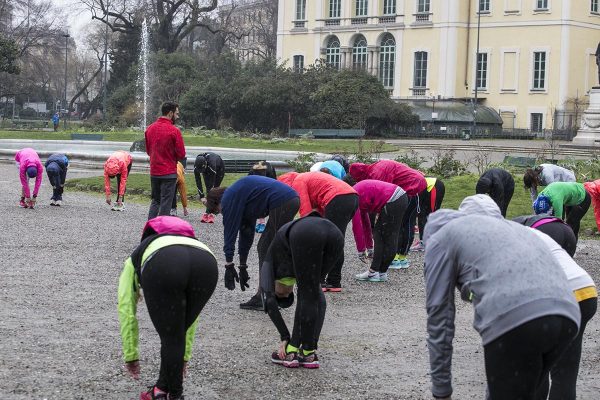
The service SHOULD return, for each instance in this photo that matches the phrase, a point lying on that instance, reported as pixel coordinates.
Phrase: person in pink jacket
(412, 181)
(593, 188)
(30, 166)
(118, 165)
(387, 204)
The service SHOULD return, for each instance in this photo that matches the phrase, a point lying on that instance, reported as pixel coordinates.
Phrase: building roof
(454, 111)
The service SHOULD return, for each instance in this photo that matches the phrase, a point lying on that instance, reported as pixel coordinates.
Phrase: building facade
(535, 66)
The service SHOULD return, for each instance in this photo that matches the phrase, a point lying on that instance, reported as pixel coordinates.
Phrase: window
(387, 59)
(537, 122)
(361, 8)
(420, 75)
(300, 10)
(539, 70)
(359, 54)
(332, 53)
(389, 7)
(335, 8)
(423, 6)
(541, 4)
(484, 6)
(482, 71)
(594, 6)
(298, 64)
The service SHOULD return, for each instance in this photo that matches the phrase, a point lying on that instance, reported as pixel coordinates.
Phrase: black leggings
(407, 233)
(57, 177)
(562, 234)
(340, 211)
(574, 214)
(517, 362)
(425, 206)
(386, 231)
(314, 254)
(119, 182)
(178, 281)
(564, 372)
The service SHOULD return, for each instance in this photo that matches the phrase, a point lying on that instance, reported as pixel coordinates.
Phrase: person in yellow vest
(430, 200)
(182, 189)
(178, 274)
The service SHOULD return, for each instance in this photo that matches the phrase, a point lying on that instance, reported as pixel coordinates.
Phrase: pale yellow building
(536, 60)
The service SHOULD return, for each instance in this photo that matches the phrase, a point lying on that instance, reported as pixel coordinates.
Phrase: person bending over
(30, 166)
(544, 175)
(554, 227)
(301, 253)
(430, 200)
(212, 168)
(178, 274)
(249, 198)
(466, 249)
(499, 184)
(118, 165)
(262, 168)
(182, 189)
(56, 169)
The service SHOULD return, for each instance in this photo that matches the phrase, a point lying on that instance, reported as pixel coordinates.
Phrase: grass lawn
(457, 189)
(221, 140)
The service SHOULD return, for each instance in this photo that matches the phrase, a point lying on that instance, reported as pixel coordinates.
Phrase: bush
(445, 165)
(303, 162)
(412, 159)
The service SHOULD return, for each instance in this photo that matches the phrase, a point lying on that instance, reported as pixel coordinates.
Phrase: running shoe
(331, 288)
(260, 228)
(204, 218)
(399, 264)
(289, 361)
(255, 303)
(210, 219)
(22, 204)
(370, 253)
(368, 275)
(310, 361)
(173, 212)
(417, 246)
(52, 202)
(58, 203)
(117, 207)
(154, 394)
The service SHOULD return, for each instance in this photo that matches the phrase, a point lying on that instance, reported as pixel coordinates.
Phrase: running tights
(386, 231)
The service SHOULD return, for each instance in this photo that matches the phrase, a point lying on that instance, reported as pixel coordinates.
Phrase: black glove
(231, 276)
(244, 278)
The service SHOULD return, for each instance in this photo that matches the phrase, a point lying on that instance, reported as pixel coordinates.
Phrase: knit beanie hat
(31, 172)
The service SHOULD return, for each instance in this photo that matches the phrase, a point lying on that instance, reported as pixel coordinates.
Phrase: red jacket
(164, 145)
(316, 189)
(116, 164)
(412, 181)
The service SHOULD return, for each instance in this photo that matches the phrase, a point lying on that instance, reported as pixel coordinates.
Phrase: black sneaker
(255, 303)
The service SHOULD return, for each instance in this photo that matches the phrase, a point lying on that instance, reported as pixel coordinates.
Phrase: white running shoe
(173, 212)
(370, 276)
(52, 202)
(383, 277)
(58, 203)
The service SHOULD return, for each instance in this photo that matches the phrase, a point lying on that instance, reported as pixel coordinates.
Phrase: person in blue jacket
(333, 167)
(56, 169)
(241, 204)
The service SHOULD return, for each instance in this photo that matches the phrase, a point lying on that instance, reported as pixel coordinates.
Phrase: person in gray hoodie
(544, 175)
(524, 309)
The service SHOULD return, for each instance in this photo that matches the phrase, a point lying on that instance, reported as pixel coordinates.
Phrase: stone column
(589, 133)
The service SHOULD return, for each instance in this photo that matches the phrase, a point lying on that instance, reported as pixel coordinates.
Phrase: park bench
(87, 136)
(329, 133)
(521, 162)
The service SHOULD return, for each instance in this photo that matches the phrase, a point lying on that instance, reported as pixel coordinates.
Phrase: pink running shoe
(22, 204)
(210, 219)
(204, 218)
(153, 394)
(310, 361)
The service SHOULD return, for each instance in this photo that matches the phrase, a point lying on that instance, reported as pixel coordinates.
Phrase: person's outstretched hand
(133, 369)
(281, 351)
(231, 276)
(244, 278)
(185, 212)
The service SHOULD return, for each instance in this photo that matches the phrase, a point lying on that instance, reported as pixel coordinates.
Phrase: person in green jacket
(178, 275)
(569, 201)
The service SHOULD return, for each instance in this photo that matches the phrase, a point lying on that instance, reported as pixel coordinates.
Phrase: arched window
(332, 53)
(387, 60)
(359, 54)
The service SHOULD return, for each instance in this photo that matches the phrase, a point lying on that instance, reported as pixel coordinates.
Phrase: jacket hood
(165, 224)
(480, 204)
(111, 166)
(288, 178)
(359, 171)
(484, 184)
(316, 166)
(438, 220)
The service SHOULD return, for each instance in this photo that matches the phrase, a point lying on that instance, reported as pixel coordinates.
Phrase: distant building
(535, 65)
(39, 107)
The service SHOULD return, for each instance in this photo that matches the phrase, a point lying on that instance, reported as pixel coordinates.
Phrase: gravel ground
(59, 336)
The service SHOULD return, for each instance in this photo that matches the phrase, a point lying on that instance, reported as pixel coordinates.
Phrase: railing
(332, 22)
(359, 21)
(387, 19)
(422, 17)
(299, 24)
(418, 91)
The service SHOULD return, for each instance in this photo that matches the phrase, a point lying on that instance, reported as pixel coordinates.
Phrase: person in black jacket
(212, 168)
(499, 184)
(56, 169)
(302, 253)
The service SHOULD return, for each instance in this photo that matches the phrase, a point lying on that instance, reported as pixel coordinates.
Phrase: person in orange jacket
(331, 197)
(593, 188)
(118, 165)
(182, 189)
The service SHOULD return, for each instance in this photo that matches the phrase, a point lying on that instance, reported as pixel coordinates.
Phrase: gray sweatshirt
(552, 173)
(503, 268)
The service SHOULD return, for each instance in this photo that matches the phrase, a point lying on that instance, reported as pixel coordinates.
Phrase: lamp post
(476, 68)
(66, 36)
(105, 82)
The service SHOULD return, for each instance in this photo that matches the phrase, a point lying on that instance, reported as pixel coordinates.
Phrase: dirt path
(59, 335)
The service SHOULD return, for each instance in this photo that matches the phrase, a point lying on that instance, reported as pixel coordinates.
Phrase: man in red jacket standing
(164, 145)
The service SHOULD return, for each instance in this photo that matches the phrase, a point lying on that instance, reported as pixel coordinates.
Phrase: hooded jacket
(552, 173)
(210, 164)
(593, 188)
(563, 194)
(164, 145)
(316, 189)
(26, 158)
(412, 181)
(334, 167)
(494, 182)
(117, 164)
(59, 159)
(502, 267)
